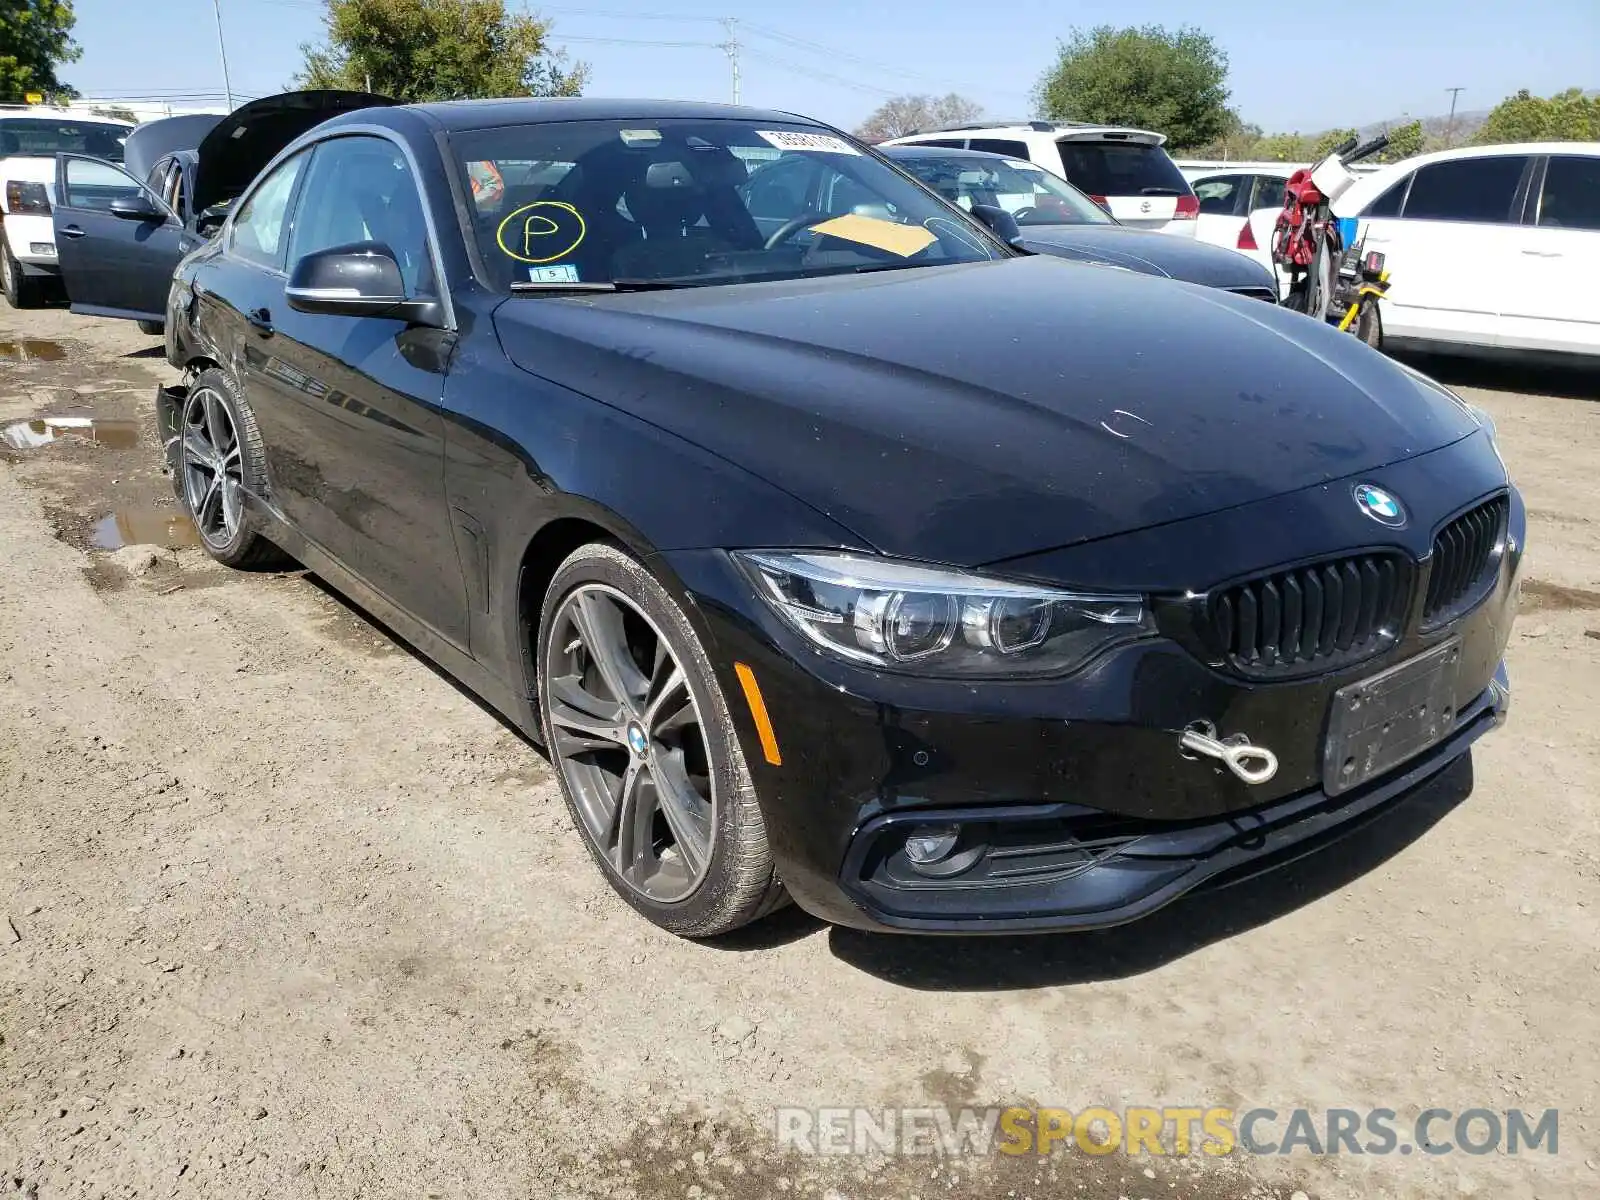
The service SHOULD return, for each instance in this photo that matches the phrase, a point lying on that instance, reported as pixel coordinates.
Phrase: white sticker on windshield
(1022, 166)
(817, 143)
(560, 273)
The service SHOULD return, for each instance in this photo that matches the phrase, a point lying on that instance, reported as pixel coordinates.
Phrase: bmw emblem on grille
(1383, 507)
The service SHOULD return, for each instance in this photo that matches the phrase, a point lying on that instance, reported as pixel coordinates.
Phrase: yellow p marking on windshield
(526, 228)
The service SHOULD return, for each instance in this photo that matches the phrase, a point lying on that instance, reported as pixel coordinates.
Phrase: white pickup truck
(30, 139)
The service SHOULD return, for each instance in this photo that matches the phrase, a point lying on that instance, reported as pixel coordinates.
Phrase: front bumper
(1087, 811)
(32, 239)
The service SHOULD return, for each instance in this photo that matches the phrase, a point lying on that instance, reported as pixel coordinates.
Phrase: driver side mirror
(1001, 223)
(361, 279)
(137, 207)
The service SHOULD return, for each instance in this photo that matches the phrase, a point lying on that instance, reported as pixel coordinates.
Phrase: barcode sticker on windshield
(817, 143)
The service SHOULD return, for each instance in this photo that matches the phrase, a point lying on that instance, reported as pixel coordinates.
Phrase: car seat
(686, 204)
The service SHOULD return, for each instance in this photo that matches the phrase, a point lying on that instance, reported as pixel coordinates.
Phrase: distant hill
(1466, 125)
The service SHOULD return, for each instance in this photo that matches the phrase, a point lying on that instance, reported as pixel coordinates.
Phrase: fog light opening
(928, 845)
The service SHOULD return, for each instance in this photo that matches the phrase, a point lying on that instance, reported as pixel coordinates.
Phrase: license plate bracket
(1377, 723)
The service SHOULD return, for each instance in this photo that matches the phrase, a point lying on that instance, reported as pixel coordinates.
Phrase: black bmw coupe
(834, 549)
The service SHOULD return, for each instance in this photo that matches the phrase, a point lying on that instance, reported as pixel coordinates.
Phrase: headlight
(935, 621)
(27, 198)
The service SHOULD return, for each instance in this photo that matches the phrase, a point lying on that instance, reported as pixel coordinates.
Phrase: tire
(153, 328)
(21, 291)
(239, 542)
(1369, 325)
(736, 882)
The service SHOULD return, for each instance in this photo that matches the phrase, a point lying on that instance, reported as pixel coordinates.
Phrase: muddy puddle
(169, 528)
(113, 433)
(31, 350)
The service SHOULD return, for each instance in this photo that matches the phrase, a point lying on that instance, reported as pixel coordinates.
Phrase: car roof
(914, 150)
(1047, 129)
(1370, 187)
(460, 115)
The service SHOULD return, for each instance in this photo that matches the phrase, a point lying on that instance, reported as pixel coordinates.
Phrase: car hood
(1151, 253)
(154, 140)
(247, 139)
(972, 413)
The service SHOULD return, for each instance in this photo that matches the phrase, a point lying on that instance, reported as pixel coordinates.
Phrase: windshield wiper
(521, 286)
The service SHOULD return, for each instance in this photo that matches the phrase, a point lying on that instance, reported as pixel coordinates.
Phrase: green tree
(1284, 147)
(1404, 141)
(1569, 116)
(1327, 141)
(1174, 82)
(35, 39)
(416, 50)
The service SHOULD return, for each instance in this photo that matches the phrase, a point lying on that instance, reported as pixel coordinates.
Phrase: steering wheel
(793, 226)
(1026, 211)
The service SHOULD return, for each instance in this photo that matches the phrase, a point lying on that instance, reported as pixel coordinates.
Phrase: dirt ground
(284, 913)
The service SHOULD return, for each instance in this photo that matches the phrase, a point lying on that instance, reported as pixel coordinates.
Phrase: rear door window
(1221, 195)
(1571, 198)
(1121, 169)
(1010, 149)
(1480, 190)
(1269, 193)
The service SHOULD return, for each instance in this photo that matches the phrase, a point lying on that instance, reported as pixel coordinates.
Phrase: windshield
(695, 202)
(46, 136)
(1030, 194)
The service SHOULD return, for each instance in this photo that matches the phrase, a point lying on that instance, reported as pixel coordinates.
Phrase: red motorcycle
(1329, 276)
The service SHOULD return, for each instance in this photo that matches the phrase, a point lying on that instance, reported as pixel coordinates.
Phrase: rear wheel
(21, 291)
(219, 457)
(645, 752)
(1369, 325)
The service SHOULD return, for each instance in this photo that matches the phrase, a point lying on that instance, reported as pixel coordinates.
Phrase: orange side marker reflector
(758, 710)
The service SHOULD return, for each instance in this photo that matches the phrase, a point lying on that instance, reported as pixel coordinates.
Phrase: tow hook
(1251, 763)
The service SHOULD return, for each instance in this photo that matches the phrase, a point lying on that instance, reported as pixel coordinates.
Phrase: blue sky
(837, 59)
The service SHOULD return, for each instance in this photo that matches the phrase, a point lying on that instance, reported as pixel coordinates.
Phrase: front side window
(1571, 198)
(686, 202)
(45, 137)
(1466, 189)
(259, 225)
(1030, 194)
(92, 184)
(360, 189)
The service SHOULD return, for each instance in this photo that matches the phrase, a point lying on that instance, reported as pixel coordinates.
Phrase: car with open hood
(1053, 217)
(121, 227)
(840, 552)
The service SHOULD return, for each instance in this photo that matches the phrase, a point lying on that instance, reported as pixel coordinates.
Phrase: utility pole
(731, 49)
(222, 49)
(1450, 127)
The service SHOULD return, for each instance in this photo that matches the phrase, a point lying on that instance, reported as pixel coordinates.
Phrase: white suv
(30, 139)
(1124, 170)
(1488, 247)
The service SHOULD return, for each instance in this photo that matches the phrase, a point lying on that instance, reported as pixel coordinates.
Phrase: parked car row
(1490, 248)
(840, 538)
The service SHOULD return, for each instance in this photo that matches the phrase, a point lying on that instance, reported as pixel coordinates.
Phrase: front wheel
(644, 750)
(21, 291)
(219, 458)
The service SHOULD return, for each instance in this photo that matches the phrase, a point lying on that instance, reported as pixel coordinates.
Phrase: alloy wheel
(212, 468)
(626, 732)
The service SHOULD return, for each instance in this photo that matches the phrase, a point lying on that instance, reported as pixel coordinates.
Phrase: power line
(813, 73)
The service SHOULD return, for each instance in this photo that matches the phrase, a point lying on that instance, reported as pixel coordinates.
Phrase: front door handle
(260, 320)
(72, 231)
